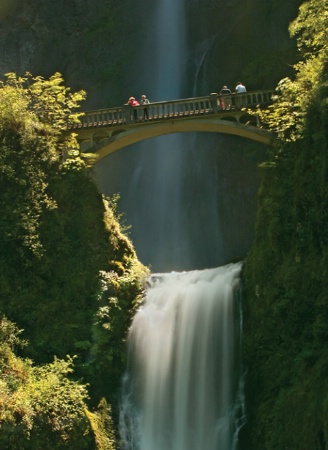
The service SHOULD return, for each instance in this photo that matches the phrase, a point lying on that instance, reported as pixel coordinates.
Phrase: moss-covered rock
(285, 295)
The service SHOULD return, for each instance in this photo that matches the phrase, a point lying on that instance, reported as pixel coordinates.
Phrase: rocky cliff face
(245, 40)
(85, 40)
(96, 43)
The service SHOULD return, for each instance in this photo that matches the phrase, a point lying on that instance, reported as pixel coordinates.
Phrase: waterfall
(159, 179)
(190, 198)
(165, 187)
(181, 390)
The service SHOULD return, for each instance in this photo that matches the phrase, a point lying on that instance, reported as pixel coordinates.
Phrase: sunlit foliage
(287, 116)
(43, 107)
(285, 288)
(34, 114)
(69, 277)
(39, 406)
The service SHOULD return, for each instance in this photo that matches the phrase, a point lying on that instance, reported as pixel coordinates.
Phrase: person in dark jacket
(144, 101)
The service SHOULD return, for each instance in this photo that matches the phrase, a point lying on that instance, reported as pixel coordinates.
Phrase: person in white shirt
(240, 101)
(240, 88)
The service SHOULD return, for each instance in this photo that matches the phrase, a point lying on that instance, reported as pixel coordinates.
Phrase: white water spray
(181, 388)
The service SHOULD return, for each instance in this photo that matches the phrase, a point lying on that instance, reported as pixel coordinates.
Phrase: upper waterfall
(185, 195)
(170, 48)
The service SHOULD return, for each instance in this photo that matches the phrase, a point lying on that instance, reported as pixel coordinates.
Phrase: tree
(40, 407)
(288, 114)
(310, 28)
(33, 115)
(60, 240)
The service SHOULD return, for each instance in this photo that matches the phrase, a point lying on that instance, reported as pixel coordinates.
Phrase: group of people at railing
(225, 102)
(144, 110)
(143, 101)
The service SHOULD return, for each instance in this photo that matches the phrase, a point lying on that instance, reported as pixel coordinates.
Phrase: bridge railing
(247, 99)
(176, 108)
(102, 117)
(172, 109)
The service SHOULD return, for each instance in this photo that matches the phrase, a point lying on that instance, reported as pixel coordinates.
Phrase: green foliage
(39, 218)
(310, 27)
(41, 108)
(68, 275)
(102, 426)
(287, 115)
(285, 292)
(119, 296)
(40, 407)
(33, 115)
(63, 295)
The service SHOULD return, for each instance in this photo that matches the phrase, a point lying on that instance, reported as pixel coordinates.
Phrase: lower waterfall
(183, 386)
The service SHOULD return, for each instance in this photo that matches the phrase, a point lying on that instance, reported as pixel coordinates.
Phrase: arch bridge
(105, 131)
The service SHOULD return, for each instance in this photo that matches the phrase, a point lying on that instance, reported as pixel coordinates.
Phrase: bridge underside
(110, 139)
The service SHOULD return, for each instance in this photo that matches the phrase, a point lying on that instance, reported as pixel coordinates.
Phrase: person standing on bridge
(226, 101)
(133, 102)
(144, 101)
(240, 89)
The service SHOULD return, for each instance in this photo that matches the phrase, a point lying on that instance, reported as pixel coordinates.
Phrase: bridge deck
(176, 109)
(107, 130)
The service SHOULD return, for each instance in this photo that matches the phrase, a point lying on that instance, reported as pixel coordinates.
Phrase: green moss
(69, 277)
(285, 296)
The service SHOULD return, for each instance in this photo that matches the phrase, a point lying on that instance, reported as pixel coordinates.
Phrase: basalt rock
(96, 44)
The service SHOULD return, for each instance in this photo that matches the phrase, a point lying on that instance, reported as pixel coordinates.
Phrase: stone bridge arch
(105, 145)
(105, 131)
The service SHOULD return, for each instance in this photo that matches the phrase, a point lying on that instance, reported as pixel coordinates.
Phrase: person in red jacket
(133, 102)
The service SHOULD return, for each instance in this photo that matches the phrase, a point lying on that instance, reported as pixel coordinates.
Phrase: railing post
(214, 102)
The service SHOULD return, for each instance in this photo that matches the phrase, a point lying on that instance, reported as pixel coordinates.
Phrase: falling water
(190, 198)
(160, 179)
(181, 390)
(163, 187)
